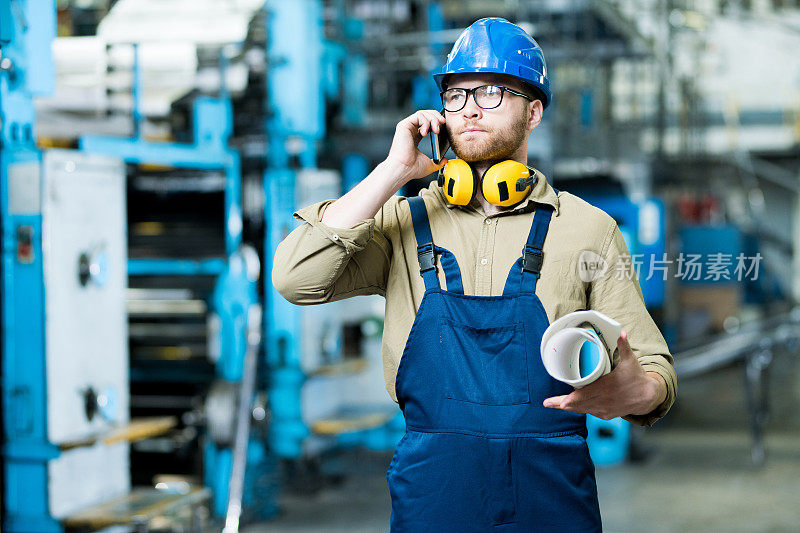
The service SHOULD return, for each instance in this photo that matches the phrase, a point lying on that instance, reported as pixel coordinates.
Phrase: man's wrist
(659, 391)
(397, 173)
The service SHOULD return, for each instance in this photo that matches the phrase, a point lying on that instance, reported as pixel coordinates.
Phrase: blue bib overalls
(480, 452)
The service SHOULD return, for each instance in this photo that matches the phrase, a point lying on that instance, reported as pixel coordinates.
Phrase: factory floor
(695, 474)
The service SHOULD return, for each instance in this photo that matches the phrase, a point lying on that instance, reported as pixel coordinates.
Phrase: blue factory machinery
(26, 30)
(315, 353)
(230, 276)
(169, 336)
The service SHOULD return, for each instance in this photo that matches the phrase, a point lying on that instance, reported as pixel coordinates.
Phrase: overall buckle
(426, 257)
(532, 259)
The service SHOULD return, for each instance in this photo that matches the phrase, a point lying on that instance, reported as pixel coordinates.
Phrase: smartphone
(440, 143)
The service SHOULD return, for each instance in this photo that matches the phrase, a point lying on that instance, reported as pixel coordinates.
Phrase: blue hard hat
(496, 45)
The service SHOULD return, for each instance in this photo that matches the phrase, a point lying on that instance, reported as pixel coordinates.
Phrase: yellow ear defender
(457, 182)
(503, 184)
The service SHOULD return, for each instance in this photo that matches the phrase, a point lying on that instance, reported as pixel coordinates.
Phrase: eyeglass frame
(502, 88)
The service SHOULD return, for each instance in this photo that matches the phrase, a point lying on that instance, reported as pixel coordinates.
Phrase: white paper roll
(563, 340)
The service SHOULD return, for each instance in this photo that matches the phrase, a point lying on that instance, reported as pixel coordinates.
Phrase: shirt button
(335, 237)
(484, 261)
(488, 222)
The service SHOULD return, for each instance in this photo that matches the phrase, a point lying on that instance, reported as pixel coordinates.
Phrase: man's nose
(471, 109)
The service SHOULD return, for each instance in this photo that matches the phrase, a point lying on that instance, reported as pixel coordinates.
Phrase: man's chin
(473, 154)
(477, 157)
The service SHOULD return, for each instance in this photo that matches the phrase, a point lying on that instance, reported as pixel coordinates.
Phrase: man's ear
(535, 109)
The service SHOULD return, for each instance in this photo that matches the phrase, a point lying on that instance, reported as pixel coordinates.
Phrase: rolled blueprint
(576, 349)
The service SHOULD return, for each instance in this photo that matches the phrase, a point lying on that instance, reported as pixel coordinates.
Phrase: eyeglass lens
(486, 96)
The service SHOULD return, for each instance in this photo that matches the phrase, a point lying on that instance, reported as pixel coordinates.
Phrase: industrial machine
(194, 299)
(26, 30)
(299, 351)
(81, 248)
(66, 422)
(67, 371)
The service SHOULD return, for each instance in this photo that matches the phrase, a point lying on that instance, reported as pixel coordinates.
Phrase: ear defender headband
(503, 184)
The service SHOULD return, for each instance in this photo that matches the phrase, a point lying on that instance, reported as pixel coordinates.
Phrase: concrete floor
(697, 475)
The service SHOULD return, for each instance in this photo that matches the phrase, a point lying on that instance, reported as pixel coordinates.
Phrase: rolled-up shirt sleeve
(317, 263)
(616, 292)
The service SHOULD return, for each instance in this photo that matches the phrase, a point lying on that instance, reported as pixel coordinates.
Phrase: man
(492, 441)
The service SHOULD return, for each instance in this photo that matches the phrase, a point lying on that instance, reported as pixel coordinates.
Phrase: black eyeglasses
(486, 97)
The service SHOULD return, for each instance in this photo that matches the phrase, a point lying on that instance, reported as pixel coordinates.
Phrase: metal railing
(753, 343)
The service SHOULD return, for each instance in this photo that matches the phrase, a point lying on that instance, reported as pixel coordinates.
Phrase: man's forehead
(469, 80)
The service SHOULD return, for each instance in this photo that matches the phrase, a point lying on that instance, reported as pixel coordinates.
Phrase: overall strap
(452, 274)
(532, 254)
(525, 271)
(426, 251)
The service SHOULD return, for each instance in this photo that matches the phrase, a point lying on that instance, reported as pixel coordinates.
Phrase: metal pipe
(136, 93)
(730, 347)
(242, 436)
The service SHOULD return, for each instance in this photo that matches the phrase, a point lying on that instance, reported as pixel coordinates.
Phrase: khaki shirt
(317, 264)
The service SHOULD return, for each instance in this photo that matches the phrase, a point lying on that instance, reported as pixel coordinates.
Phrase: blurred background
(152, 153)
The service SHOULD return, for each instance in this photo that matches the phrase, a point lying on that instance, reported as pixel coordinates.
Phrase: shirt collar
(541, 193)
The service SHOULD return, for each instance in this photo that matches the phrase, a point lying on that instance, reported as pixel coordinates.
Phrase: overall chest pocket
(487, 366)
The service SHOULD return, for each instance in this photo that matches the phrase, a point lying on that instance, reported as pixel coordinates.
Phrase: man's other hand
(626, 390)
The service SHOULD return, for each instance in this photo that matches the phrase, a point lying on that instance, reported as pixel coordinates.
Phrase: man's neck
(490, 209)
